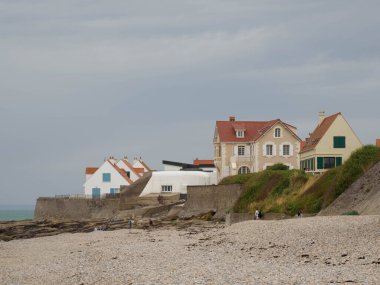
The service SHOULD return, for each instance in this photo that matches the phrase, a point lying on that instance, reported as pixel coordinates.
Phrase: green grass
(359, 162)
(284, 191)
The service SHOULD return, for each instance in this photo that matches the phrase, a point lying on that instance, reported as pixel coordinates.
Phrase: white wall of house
(178, 180)
(96, 180)
(121, 164)
(138, 164)
(339, 127)
(168, 167)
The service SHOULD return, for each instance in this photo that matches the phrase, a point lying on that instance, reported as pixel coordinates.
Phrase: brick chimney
(232, 118)
(321, 117)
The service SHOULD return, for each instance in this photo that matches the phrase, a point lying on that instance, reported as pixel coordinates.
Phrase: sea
(16, 213)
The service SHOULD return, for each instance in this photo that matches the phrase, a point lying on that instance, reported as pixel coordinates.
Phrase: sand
(318, 250)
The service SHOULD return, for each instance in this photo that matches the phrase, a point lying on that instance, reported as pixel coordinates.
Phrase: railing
(84, 196)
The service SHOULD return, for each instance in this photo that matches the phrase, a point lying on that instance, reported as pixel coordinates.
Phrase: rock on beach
(317, 250)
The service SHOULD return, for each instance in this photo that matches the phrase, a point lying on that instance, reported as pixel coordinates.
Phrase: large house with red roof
(329, 145)
(252, 146)
(112, 174)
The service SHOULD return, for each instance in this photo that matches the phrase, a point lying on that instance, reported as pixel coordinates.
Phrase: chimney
(321, 117)
(232, 118)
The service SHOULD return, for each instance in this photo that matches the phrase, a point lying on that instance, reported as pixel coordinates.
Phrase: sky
(83, 80)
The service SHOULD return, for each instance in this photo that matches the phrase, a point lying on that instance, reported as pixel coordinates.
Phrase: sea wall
(217, 198)
(75, 209)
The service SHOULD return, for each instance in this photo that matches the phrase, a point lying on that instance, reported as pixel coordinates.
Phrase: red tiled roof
(378, 142)
(203, 161)
(139, 170)
(131, 167)
(319, 132)
(145, 165)
(122, 172)
(253, 130)
(303, 143)
(91, 170)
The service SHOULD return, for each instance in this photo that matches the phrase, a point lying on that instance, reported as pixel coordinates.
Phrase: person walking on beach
(130, 222)
(257, 214)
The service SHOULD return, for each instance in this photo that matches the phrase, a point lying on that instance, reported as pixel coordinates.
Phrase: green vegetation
(278, 166)
(351, 213)
(279, 190)
(359, 162)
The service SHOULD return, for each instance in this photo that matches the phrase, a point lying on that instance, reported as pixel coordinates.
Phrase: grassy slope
(287, 191)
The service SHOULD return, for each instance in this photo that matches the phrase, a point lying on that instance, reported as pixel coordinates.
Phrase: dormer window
(277, 132)
(240, 134)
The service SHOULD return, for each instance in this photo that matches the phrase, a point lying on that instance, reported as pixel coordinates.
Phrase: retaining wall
(75, 209)
(218, 198)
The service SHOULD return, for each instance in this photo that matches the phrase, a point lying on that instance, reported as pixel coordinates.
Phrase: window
(129, 174)
(308, 164)
(106, 177)
(329, 162)
(286, 149)
(240, 134)
(339, 142)
(243, 170)
(114, 190)
(277, 132)
(269, 149)
(166, 188)
(241, 150)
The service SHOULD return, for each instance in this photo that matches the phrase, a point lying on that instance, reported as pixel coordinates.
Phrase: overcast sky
(82, 80)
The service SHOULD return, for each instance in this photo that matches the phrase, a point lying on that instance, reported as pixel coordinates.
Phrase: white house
(200, 164)
(139, 163)
(132, 173)
(107, 179)
(177, 181)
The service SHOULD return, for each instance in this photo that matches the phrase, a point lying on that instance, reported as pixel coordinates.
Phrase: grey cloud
(80, 80)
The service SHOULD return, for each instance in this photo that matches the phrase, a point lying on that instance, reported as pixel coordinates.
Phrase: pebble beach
(316, 250)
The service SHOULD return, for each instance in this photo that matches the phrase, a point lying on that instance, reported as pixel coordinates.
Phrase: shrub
(278, 166)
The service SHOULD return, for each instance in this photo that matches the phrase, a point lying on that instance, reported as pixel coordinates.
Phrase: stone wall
(218, 198)
(75, 209)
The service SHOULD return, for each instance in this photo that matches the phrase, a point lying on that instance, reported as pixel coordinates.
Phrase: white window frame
(283, 150)
(166, 188)
(246, 170)
(267, 148)
(277, 135)
(240, 134)
(241, 150)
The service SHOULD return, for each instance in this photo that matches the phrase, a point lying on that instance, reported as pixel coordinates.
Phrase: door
(95, 193)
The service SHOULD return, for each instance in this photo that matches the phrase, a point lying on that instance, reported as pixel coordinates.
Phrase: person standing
(257, 214)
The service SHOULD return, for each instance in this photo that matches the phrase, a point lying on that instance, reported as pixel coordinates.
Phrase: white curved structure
(177, 181)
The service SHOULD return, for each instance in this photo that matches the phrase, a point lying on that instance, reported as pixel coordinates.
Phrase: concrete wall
(218, 198)
(75, 209)
(178, 180)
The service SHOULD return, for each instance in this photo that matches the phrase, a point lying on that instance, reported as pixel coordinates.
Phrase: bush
(278, 166)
